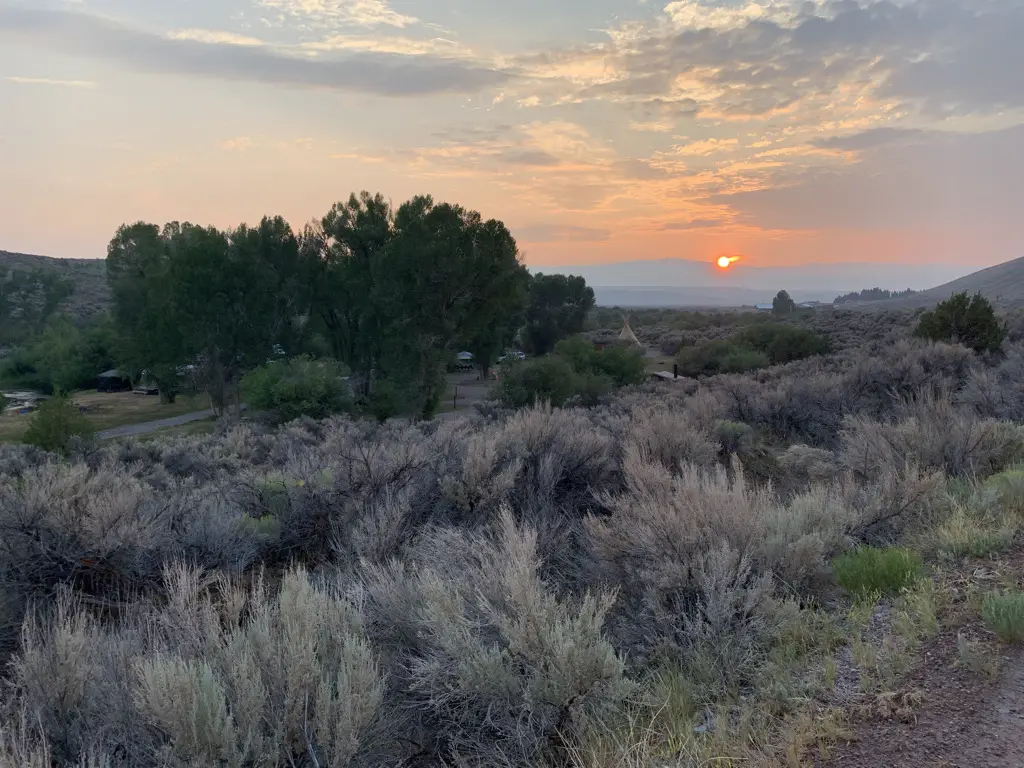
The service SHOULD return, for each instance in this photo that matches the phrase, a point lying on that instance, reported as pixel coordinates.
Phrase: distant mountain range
(682, 282)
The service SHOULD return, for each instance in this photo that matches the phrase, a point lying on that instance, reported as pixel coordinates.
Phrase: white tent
(626, 334)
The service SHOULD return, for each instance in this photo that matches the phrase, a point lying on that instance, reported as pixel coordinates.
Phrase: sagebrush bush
(1003, 613)
(237, 678)
(696, 556)
(513, 675)
(872, 570)
(934, 434)
(485, 589)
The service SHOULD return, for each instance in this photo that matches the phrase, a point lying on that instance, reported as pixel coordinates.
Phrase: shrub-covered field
(648, 582)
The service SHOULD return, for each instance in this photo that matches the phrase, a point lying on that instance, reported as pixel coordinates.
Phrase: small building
(113, 381)
(763, 307)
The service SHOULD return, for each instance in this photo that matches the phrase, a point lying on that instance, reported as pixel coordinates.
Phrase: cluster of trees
(576, 370)
(757, 346)
(391, 293)
(63, 356)
(27, 299)
(872, 294)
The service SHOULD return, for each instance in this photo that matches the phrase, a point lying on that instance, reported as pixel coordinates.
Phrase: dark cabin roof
(112, 374)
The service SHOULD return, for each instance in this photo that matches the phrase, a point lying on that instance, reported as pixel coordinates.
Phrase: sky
(783, 131)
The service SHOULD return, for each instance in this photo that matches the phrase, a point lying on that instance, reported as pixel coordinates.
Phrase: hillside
(89, 277)
(1002, 284)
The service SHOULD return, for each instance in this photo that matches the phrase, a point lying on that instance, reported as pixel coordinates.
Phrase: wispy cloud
(50, 81)
(653, 126)
(338, 13)
(215, 37)
(373, 72)
(398, 44)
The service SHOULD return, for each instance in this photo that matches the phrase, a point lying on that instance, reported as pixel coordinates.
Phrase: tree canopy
(390, 292)
(783, 304)
(963, 319)
(558, 307)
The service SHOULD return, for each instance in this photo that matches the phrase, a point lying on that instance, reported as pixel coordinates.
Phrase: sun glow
(724, 262)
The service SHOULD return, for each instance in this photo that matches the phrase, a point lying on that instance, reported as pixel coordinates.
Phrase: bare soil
(948, 713)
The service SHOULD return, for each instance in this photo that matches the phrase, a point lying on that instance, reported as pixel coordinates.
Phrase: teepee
(626, 334)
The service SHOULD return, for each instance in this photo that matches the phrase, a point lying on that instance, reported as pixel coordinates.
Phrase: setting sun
(726, 261)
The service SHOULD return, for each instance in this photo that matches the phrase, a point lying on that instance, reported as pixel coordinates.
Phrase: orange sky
(600, 130)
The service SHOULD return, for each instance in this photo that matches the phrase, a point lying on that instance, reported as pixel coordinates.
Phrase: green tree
(298, 387)
(222, 300)
(720, 356)
(966, 320)
(446, 275)
(619, 365)
(150, 336)
(56, 423)
(63, 356)
(782, 343)
(339, 255)
(558, 307)
(543, 380)
(782, 304)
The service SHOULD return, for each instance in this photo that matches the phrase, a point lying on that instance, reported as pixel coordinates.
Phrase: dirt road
(133, 430)
(966, 716)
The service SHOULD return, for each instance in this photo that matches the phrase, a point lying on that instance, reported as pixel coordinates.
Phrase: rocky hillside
(91, 294)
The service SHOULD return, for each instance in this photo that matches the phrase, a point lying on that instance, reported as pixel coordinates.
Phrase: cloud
(693, 224)
(530, 157)
(240, 143)
(338, 13)
(654, 126)
(366, 72)
(705, 147)
(214, 37)
(561, 233)
(831, 58)
(48, 81)
(967, 181)
(408, 46)
(871, 139)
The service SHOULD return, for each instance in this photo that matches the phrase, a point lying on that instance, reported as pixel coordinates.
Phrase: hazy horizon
(599, 131)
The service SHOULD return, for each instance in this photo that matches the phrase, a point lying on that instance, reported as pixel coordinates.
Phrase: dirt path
(132, 430)
(963, 721)
(968, 711)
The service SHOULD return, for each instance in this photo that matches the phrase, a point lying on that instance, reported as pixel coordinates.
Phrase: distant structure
(763, 307)
(113, 381)
(626, 334)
